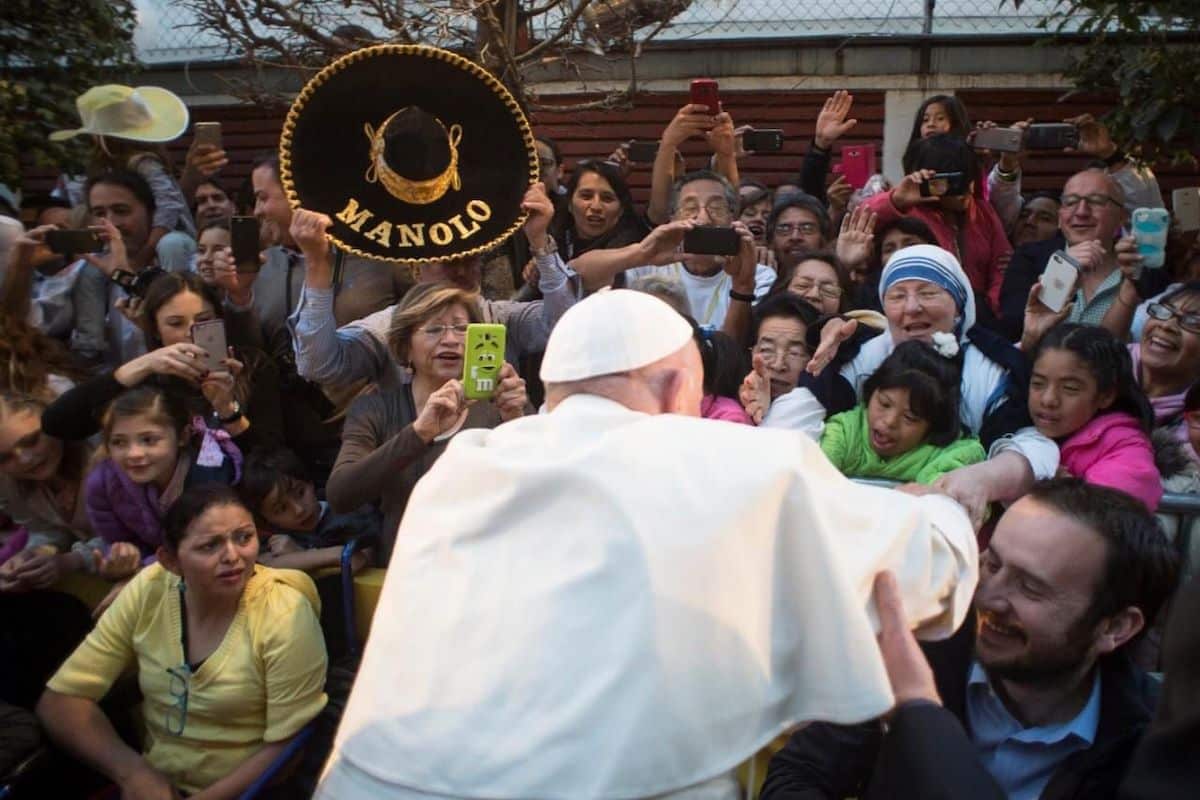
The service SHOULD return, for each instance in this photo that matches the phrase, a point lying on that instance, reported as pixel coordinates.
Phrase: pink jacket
(728, 409)
(986, 247)
(1112, 450)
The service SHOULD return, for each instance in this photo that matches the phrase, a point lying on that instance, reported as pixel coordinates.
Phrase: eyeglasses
(929, 294)
(1095, 201)
(803, 228)
(717, 209)
(436, 331)
(828, 290)
(1162, 312)
(178, 687)
(796, 354)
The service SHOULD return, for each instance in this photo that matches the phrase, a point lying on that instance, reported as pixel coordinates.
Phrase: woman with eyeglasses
(390, 439)
(819, 279)
(229, 656)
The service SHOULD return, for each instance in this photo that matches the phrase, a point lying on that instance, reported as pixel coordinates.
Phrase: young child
(1082, 394)
(907, 427)
(150, 455)
(302, 532)
(724, 365)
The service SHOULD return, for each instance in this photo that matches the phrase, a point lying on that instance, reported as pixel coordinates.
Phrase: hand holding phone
(1058, 281)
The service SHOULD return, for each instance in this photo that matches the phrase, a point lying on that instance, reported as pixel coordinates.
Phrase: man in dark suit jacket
(1040, 697)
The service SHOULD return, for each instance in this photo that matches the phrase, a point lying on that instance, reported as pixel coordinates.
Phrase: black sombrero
(415, 153)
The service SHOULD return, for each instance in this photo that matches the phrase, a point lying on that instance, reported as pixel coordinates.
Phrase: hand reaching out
(755, 392)
(833, 334)
(122, 561)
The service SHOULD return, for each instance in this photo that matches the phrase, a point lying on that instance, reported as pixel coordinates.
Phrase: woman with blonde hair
(391, 439)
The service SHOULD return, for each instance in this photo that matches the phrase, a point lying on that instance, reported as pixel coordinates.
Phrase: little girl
(907, 426)
(1082, 394)
(724, 365)
(149, 457)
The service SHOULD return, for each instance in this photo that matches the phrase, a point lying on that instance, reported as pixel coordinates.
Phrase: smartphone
(765, 140)
(483, 360)
(704, 93)
(207, 133)
(210, 335)
(1186, 205)
(711, 240)
(1001, 140)
(1150, 226)
(243, 233)
(1051, 136)
(1058, 281)
(69, 242)
(643, 152)
(945, 184)
(858, 164)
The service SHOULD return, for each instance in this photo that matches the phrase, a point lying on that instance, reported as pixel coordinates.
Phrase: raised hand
(539, 210)
(743, 267)
(1094, 138)
(691, 120)
(309, 228)
(721, 137)
(510, 397)
(662, 245)
(441, 411)
(1039, 318)
(831, 122)
(856, 240)
(115, 257)
(908, 192)
(839, 193)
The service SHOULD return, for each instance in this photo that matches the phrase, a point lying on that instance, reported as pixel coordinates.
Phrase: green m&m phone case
(483, 360)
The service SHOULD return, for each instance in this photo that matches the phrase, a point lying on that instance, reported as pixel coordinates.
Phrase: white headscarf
(927, 262)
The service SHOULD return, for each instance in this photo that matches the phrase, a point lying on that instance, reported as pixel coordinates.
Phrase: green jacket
(847, 442)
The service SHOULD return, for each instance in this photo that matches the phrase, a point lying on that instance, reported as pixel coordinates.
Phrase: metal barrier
(1183, 508)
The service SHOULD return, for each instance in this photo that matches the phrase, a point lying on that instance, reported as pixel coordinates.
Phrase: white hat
(144, 114)
(612, 332)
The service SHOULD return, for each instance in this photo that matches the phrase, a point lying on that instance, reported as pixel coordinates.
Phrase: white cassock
(600, 603)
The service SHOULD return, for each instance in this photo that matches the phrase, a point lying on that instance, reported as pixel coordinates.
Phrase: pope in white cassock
(618, 599)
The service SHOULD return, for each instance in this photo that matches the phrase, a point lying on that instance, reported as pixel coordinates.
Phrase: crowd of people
(902, 330)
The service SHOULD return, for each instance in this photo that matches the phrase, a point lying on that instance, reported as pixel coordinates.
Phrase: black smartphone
(1051, 136)
(243, 232)
(945, 184)
(711, 240)
(766, 140)
(643, 152)
(69, 242)
(141, 282)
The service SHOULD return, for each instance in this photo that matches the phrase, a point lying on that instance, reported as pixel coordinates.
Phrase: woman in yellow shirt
(229, 657)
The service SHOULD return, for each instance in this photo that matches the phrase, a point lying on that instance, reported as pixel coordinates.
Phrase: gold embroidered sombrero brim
(332, 155)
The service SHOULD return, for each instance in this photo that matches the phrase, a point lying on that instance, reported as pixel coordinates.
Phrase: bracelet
(548, 249)
(1008, 177)
(742, 296)
(234, 417)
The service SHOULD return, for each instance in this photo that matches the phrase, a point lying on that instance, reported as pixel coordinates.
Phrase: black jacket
(823, 760)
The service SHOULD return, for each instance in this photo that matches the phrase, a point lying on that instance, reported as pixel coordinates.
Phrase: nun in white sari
(618, 599)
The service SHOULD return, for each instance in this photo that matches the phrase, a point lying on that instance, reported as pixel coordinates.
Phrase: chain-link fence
(167, 31)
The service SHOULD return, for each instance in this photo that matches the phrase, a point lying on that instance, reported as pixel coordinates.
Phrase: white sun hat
(144, 114)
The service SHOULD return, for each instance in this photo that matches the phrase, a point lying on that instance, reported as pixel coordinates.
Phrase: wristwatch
(234, 417)
(548, 249)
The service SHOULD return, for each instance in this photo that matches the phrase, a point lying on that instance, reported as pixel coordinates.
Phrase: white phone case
(1058, 281)
(210, 335)
(1186, 205)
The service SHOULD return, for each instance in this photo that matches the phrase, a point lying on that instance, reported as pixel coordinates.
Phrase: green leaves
(51, 51)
